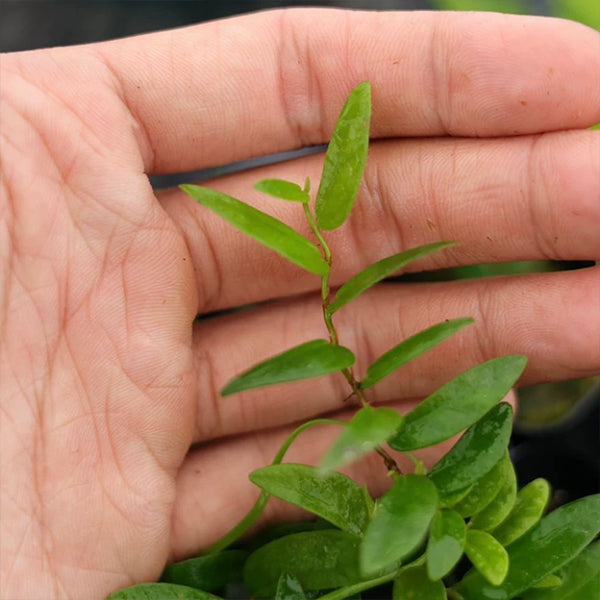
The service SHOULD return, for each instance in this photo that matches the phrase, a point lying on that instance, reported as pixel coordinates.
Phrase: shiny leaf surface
(332, 496)
(554, 541)
(400, 523)
(446, 543)
(345, 159)
(262, 227)
(208, 573)
(312, 359)
(499, 508)
(574, 576)
(410, 349)
(368, 428)
(484, 490)
(413, 584)
(289, 588)
(477, 451)
(459, 403)
(487, 555)
(160, 591)
(318, 559)
(380, 270)
(528, 510)
(282, 189)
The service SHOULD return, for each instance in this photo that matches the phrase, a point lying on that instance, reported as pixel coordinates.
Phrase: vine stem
(357, 390)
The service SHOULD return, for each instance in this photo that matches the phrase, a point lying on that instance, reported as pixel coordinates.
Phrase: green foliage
(416, 533)
(311, 359)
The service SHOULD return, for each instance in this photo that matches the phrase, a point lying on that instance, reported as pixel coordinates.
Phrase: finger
(200, 518)
(522, 198)
(271, 81)
(550, 318)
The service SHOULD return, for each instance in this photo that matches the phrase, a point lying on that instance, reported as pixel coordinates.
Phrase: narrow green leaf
(400, 524)
(289, 588)
(573, 577)
(459, 403)
(499, 508)
(487, 555)
(312, 359)
(345, 159)
(332, 496)
(410, 349)
(527, 511)
(550, 581)
(485, 490)
(477, 451)
(208, 573)
(380, 270)
(262, 227)
(160, 591)
(282, 189)
(554, 541)
(318, 559)
(413, 584)
(367, 429)
(446, 543)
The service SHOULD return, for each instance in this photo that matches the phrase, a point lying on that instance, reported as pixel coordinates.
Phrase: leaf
(459, 403)
(282, 189)
(208, 573)
(367, 429)
(318, 559)
(574, 576)
(487, 555)
(550, 581)
(311, 359)
(499, 508)
(477, 451)
(409, 349)
(380, 270)
(446, 543)
(160, 591)
(262, 227)
(332, 496)
(413, 584)
(554, 541)
(449, 499)
(528, 510)
(289, 588)
(485, 490)
(345, 159)
(400, 523)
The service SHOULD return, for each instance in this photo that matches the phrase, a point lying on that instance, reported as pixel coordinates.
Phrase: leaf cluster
(465, 512)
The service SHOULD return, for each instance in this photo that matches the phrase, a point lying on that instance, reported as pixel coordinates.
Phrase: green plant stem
(254, 513)
(357, 390)
(349, 590)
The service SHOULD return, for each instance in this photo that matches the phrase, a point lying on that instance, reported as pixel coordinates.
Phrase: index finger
(272, 81)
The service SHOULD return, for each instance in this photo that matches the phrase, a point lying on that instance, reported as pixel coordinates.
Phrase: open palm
(109, 388)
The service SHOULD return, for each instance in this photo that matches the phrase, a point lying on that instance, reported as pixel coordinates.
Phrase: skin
(116, 451)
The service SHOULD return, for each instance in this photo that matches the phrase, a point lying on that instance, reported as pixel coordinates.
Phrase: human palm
(117, 452)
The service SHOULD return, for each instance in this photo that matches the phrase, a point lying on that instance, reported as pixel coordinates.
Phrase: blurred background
(557, 433)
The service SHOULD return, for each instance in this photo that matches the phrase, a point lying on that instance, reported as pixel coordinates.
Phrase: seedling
(459, 531)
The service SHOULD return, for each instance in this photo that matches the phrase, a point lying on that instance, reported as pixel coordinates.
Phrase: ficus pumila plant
(461, 530)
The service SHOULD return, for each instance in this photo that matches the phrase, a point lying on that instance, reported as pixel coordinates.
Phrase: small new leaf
(312, 359)
(380, 270)
(459, 403)
(487, 555)
(410, 349)
(289, 588)
(367, 429)
(282, 189)
(262, 227)
(345, 160)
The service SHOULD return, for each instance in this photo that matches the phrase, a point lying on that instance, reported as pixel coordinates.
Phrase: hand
(106, 381)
